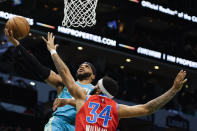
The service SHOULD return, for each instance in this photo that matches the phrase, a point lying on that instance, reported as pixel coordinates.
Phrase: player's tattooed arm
(155, 104)
(55, 81)
(67, 78)
(159, 102)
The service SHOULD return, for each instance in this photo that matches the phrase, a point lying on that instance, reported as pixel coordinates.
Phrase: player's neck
(86, 81)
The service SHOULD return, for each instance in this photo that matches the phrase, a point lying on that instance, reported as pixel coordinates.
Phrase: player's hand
(10, 37)
(50, 42)
(59, 102)
(180, 80)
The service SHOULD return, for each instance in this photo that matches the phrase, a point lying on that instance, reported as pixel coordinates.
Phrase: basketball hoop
(79, 13)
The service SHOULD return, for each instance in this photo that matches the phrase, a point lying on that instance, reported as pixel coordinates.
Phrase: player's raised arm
(34, 65)
(63, 70)
(155, 104)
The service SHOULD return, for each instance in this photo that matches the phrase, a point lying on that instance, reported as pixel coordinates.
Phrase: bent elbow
(149, 110)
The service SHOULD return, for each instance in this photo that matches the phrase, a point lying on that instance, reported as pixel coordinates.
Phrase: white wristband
(53, 52)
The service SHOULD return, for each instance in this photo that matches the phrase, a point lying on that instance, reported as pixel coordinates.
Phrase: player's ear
(92, 77)
(98, 91)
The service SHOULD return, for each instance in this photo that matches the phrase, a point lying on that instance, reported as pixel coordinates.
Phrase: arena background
(141, 44)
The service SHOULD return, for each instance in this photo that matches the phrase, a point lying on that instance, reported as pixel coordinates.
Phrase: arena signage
(6, 15)
(169, 58)
(177, 121)
(148, 52)
(181, 61)
(113, 43)
(136, 1)
(87, 36)
(168, 11)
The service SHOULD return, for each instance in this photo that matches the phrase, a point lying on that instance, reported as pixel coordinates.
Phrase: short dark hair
(110, 85)
(92, 67)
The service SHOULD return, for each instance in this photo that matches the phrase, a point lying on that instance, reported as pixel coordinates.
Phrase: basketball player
(63, 119)
(99, 112)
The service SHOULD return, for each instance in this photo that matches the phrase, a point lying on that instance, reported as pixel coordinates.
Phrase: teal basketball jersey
(68, 111)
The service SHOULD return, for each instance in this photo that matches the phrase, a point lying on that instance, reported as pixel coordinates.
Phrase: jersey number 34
(104, 114)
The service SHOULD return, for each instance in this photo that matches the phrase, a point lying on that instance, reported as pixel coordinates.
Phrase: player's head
(86, 71)
(107, 86)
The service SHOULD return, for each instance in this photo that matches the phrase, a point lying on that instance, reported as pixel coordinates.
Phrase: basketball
(19, 26)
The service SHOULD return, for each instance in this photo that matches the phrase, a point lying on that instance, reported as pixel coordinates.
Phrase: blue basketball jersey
(68, 111)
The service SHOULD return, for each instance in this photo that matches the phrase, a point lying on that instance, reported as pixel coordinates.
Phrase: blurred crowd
(14, 127)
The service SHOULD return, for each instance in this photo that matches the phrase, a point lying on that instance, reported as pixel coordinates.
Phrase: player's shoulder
(84, 85)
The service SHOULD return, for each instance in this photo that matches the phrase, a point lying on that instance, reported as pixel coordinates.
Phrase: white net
(79, 13)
